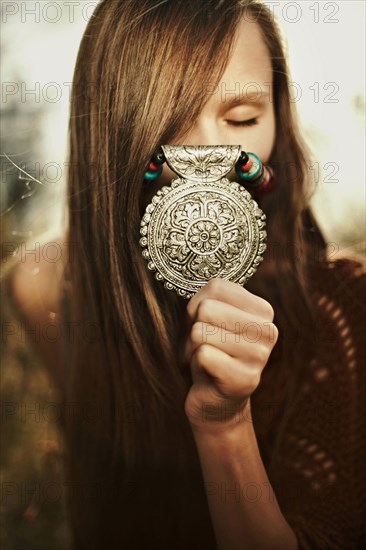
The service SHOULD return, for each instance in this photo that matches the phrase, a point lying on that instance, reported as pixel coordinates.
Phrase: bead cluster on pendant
(155, 166)
(253, 173)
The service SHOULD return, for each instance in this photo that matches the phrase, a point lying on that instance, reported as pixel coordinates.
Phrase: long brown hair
(137, 84)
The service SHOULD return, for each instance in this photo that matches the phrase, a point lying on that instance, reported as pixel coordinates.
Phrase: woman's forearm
(244, 510)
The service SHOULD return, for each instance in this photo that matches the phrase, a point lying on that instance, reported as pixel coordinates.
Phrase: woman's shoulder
(32, 284)
(34, 279)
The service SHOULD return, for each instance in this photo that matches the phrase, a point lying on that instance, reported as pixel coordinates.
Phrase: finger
(230, 293)
(231, 343)
(233, 319)
(231, 377)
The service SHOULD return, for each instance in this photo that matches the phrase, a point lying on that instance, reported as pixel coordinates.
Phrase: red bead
(248, 165)
(153, 167)
(245, 167)
(268, 182)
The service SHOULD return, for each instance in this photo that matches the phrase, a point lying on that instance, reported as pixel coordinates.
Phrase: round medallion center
(203, 236)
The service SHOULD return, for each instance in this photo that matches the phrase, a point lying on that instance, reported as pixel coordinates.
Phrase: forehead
(249, 68)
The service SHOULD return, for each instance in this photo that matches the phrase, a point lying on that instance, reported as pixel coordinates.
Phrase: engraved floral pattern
(201, 163)
(204, 235)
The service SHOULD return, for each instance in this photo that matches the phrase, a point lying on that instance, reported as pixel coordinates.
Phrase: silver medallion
(202, 225)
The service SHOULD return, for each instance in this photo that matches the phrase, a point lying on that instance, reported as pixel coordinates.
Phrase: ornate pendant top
(201, 163)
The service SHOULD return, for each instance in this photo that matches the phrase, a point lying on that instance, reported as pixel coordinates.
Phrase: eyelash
(250, 122)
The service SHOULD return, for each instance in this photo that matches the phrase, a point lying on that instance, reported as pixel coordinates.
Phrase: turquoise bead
(153, 175)
(254, 171)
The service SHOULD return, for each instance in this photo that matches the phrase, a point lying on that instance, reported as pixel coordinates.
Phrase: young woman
(282, 467)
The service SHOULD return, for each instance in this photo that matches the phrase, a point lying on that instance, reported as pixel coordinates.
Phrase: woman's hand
(230, 340)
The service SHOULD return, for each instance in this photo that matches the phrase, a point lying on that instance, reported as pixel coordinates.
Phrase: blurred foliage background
(325, 45)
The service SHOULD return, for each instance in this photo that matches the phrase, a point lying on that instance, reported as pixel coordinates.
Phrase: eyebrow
(249, 98)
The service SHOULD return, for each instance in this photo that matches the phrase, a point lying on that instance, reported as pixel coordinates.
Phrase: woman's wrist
(223, 422)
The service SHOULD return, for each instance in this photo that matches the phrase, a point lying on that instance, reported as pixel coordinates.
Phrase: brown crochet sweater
(316, 469)
(315, 466)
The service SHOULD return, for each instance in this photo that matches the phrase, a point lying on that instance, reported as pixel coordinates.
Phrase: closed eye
(250, 122)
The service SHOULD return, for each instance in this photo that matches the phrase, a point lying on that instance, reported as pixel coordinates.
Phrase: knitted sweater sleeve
(318, 470)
